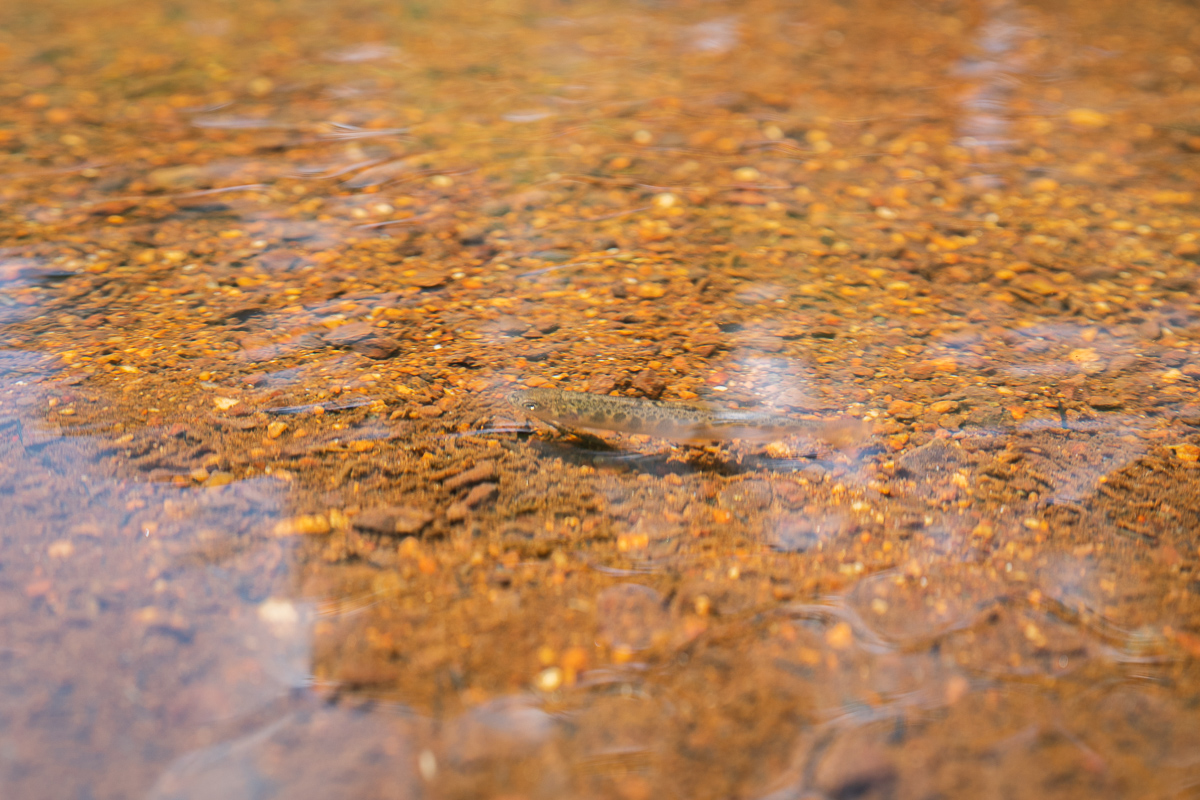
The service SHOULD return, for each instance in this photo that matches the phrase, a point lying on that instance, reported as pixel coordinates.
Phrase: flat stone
(944, 406)
(399, 520)
(376, 346)
(481, 494)
(476, 474)
(346, 335)
(1105, 402)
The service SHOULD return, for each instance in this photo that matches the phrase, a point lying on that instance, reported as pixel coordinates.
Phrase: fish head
(537, 402)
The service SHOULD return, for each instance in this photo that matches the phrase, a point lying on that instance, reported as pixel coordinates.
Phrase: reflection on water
(271, 529)
(130, 605)
(365, 744)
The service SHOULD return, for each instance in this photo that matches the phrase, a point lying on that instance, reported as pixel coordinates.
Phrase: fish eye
(531, 406)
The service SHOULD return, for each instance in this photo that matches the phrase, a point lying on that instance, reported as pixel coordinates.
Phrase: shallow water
(269, 270)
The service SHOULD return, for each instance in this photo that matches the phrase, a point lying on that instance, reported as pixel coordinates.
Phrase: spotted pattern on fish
(684, 422)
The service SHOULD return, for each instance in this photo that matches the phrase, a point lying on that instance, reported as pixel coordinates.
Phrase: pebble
(601, 384)
(481, 494)
(905, 409)
(649, 291)
(1187, 452)
(303, 525)
(220, 479)
(649, 383)
(400, 520)
(376, 346)
(983, 530)
(944, 407)
(1105, 402)
(182, 177)
(457, 512)
(476, 474)
(428, 279)
(348, 334)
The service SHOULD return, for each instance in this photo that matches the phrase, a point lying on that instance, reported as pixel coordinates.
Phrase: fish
(677, 421)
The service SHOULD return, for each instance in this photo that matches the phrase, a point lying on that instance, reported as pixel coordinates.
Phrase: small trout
(680, 422)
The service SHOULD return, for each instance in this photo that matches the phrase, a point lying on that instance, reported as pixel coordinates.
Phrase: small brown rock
(1189, 250)
(376, 346)
(601, 384)
(219, 479)
(922, 370)
(944, 407)
(243, 313)
(346, 335)
(399, 520)
(649, 383)
(1187, 452)
(649, 291)
(471, 234)
(428, 279)
(481, 494)
(476, 474)
(1105, 402)
(904, 409)
(240, 410)
(303, 525)
(275, 260)
(425, 412)
(186, 176)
